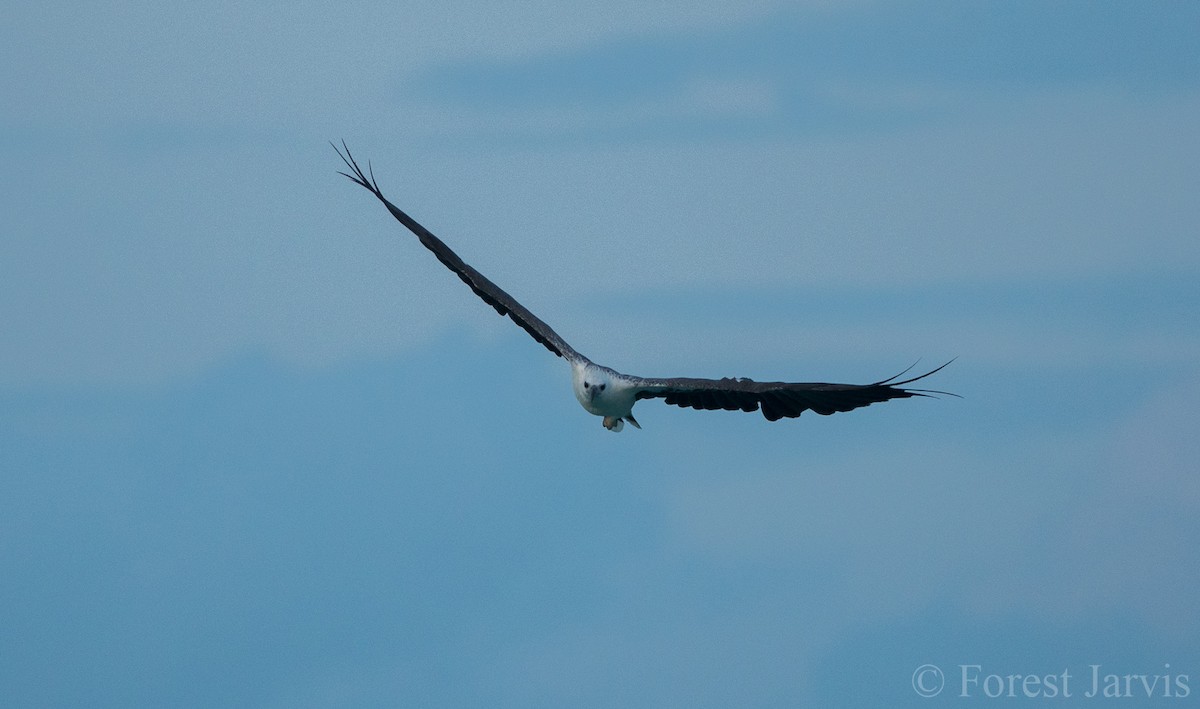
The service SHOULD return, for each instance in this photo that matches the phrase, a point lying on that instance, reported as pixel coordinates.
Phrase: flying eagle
(608, 393)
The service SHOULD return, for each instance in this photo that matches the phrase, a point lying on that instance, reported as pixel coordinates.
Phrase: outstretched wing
(777, 400)
(491, 294)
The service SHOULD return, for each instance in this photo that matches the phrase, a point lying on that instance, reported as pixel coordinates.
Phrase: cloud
(1122, 540)
(256, 66)
(185, 221)
(858, 69)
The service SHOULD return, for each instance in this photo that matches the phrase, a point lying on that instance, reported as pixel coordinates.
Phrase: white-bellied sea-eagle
(608, 393)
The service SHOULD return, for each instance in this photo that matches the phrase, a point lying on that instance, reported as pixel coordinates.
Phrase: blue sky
(259, 449)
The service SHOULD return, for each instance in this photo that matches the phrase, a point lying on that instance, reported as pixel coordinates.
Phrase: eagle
(607, 393)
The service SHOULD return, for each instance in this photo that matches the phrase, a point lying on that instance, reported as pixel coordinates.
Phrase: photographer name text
(1097, 682)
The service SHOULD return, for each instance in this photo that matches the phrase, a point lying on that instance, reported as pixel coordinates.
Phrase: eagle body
(604, 392)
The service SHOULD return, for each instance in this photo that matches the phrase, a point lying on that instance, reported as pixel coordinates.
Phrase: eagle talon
(613, 423)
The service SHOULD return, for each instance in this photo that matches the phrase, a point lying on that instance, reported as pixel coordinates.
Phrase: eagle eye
(586, 385)
(602, 387)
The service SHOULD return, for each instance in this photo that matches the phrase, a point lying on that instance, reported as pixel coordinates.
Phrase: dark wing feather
(777, 400)
(489, 292)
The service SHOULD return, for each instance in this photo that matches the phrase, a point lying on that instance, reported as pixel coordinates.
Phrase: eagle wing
(777, 400)
(489, 292)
